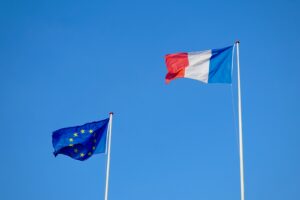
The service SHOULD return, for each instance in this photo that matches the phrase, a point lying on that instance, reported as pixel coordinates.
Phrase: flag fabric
(81, 142)
(210, 66)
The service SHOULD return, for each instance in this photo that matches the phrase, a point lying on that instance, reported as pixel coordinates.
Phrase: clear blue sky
(65, 63)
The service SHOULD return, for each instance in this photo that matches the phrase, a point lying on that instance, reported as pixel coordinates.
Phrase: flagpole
(108, 153)
(240, 122)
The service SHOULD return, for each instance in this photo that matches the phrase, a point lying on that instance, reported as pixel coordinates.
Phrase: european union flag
(81, 142)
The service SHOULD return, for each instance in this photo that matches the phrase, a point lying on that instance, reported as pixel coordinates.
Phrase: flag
(210, 66)
(81, 142)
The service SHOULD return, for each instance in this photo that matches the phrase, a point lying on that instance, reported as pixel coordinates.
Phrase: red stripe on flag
(176, 63)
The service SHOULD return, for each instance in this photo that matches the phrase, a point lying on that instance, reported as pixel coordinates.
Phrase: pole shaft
(108, 154)
(240, 124)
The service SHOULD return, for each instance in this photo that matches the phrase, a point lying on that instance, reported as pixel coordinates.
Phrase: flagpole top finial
(237, 41)
(111, 113)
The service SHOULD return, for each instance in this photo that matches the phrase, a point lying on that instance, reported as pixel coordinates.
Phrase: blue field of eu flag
(81, 142)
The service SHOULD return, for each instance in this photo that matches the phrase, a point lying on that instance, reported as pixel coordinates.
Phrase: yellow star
(75, 134)
(75, 150)
(70, 145)
(71, 140)
(89, 153)
(94, 147)
(82, 131)
(82, 154)
(91, 131)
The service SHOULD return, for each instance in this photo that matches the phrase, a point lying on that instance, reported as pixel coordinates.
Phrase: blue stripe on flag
(220, 65)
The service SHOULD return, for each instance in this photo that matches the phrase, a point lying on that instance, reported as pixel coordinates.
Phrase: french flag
(210, 66)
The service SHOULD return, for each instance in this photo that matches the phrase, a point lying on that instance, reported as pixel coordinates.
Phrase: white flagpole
(108, 153)
(240, 122)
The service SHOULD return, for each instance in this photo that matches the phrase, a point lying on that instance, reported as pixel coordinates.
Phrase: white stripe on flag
(198, 68)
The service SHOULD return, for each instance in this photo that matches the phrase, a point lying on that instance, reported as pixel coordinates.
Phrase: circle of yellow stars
(75, 134)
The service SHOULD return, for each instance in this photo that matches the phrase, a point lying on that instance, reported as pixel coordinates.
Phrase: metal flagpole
(240, 122)
(108, 153)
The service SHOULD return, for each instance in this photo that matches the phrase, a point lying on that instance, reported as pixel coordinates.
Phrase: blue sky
(65, 63)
